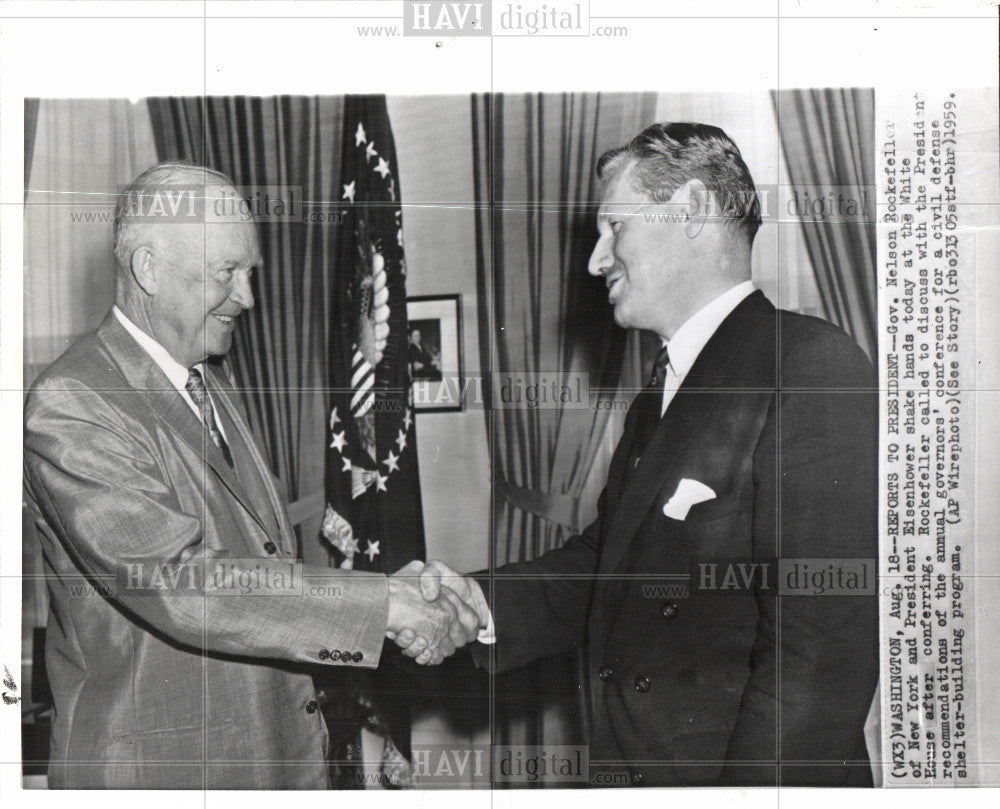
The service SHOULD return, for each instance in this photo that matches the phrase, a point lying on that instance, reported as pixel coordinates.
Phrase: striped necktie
(199, 393)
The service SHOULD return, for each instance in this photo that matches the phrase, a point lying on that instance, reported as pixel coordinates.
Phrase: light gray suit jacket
(177, 629)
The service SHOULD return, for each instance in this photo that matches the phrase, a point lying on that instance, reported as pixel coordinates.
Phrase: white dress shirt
(688, 341)
(175, 372)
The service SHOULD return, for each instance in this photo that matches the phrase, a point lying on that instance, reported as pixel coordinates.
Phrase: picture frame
(434, 352)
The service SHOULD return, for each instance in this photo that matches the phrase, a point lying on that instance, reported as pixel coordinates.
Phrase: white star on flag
(382, 167)
(359, 136)
(408, 419)
(347, 465)
(380, 482)
(392, 189)
(339, 441)
(372, 550)
(370, 151)
(399, 236)
(350, 547)
(349, 192)
(401, 440)
(334, 419)
(392, 462)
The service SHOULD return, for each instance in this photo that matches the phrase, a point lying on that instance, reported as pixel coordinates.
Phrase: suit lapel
(235, 415)
(730, 359)
(167, 405)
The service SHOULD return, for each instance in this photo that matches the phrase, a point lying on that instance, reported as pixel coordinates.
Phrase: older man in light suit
(180, 623)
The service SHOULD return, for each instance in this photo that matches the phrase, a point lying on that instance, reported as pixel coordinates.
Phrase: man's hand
(438, 581)
(437, 577)
(427, 629)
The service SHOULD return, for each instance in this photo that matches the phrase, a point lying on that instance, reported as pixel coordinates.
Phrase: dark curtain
(542, 317)
(280, 355)
(828, 139)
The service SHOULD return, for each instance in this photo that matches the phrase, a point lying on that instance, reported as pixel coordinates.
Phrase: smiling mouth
(610, 282)
(227, 320)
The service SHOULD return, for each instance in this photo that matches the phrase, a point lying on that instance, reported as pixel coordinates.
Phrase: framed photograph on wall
(434, 352)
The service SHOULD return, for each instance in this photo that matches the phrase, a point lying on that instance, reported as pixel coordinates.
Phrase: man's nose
(601, 259)
(241, 290)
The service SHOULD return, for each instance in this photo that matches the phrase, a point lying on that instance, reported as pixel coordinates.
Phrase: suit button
(312, 706)
(270, 547)
(641, 684)
(335, 655)
(606, 674)
(637, 778)
(358, 657)
(669, 609)
(324, 654)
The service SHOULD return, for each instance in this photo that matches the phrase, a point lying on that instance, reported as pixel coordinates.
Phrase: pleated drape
(828, 139)
(543, 319)
(288, 146)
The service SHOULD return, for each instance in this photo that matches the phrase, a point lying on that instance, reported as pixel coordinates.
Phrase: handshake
(433, 611)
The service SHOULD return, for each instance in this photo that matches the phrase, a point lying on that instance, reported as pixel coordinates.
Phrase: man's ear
(143, 267)
(700, 207)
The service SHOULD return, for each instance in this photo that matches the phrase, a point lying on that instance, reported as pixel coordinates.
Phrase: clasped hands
(433, 611)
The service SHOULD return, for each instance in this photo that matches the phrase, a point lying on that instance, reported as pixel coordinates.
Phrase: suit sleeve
(541, 607)
(106, 496)
(814, 662)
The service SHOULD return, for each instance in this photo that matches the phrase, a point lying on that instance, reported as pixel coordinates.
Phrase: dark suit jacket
(158, 685)
(695, 685)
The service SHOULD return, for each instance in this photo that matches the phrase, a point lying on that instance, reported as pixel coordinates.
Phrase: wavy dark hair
(668, 155)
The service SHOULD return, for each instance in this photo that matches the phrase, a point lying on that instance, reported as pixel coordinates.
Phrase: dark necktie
(196, 387)
(650, 404)
(659, 373)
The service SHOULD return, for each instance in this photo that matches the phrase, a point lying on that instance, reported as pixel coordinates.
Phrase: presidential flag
(373, 516)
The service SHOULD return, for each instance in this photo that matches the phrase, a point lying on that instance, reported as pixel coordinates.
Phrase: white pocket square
(689, 493)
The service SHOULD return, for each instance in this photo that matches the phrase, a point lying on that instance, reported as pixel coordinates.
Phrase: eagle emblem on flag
(369, 299)
(371, 413)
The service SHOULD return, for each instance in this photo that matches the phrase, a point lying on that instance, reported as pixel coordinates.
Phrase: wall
(434, 150)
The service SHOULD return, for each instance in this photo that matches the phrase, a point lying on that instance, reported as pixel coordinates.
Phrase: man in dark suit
(181, 624)
(421, 363)
(752, 450)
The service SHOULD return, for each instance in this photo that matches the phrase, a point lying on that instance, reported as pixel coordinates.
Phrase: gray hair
(130, 229)
(668, 155)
